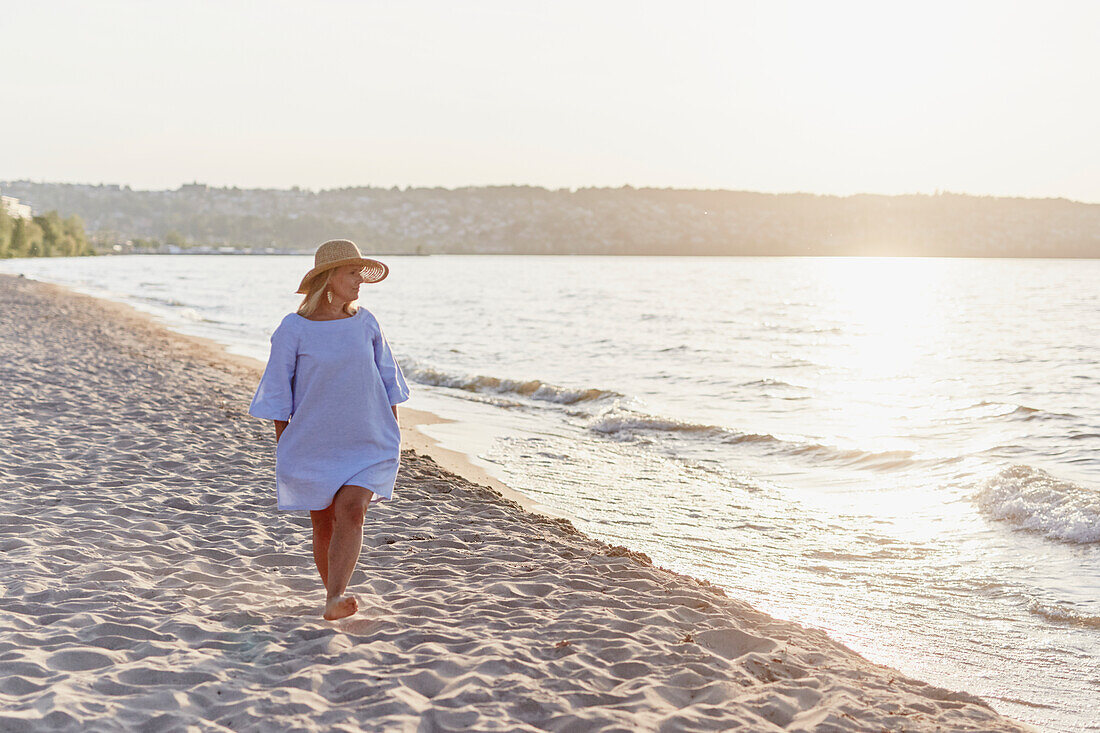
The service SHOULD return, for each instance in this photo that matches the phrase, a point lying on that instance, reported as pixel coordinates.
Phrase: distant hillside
(531, 220)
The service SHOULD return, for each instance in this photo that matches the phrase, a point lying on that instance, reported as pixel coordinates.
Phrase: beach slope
(149, 584)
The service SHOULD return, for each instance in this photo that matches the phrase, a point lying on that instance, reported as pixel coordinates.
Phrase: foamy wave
(1061, 613)
(623, 425)
(880, 460)
(1033, 500)
(532, 389)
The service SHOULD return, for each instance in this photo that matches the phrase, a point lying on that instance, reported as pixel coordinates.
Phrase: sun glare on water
(882, 367)
(894, 310)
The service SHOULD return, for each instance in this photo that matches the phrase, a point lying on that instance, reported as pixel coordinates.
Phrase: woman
(332, 387)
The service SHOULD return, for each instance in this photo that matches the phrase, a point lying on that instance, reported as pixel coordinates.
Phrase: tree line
(47, 235)
(606, 221)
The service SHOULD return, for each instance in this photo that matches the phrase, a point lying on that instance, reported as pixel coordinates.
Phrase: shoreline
(135, 475)
(411, 419)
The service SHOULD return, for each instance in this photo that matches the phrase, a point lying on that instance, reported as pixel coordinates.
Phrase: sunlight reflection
(892, 308)
(891, 312)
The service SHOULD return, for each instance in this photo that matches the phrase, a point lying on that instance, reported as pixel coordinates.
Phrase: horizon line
(571, 189)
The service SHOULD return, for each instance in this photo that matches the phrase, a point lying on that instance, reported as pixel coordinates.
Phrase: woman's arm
(394, 408)
(280, 426)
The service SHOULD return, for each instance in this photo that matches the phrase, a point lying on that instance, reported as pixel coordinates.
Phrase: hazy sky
(828, 97)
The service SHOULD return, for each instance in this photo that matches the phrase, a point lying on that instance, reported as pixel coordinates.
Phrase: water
(902, 452)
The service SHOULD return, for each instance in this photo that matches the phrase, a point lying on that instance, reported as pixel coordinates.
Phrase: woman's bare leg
(322, 536)
(349, 506)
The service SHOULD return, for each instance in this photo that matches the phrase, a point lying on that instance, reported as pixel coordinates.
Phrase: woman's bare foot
(340, 606)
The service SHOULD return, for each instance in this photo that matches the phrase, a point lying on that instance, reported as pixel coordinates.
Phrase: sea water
(903, 452)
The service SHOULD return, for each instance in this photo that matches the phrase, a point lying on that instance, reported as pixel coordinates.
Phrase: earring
(328, 293)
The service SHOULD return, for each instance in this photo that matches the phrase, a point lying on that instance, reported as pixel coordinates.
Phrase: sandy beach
(150, 584)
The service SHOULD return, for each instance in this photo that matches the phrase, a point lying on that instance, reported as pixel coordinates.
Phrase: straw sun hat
(340, 252)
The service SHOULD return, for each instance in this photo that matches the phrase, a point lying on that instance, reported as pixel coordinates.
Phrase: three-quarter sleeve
(396, 389)
(274, 398)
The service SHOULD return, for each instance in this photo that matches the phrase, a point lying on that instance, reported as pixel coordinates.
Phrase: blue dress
(335, 382)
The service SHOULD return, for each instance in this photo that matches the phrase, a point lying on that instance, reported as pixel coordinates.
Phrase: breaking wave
(626, 425)
(1064, 614)
(532, 389)
(623, 425)
(1033, 500)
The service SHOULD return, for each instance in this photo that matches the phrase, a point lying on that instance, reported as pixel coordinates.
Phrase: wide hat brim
(375, 271)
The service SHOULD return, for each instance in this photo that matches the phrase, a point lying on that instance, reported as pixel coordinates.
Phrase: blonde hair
(316, 290)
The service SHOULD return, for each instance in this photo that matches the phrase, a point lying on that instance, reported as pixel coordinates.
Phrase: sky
(839, 97)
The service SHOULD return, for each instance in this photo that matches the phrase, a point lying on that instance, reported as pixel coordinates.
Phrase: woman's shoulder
(288, 325)
(290, 319)
(366, 316)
